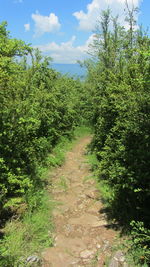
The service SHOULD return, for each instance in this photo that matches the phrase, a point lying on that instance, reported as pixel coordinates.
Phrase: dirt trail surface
(82, 237)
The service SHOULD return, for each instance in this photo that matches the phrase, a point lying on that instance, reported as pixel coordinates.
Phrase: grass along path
(82, 236)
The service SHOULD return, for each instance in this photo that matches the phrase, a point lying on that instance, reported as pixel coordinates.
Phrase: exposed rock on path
(81, 235)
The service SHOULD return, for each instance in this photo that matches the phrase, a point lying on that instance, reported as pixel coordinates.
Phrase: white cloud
(66, 52)
(87, 20)
(27, 27)
(45, 24)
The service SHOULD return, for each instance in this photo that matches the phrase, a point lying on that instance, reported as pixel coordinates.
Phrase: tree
(121, 105)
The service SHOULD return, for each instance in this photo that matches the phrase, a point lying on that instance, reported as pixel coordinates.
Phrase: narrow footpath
(82, 235)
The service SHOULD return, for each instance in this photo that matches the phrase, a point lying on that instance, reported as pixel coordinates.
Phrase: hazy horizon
(73, 69)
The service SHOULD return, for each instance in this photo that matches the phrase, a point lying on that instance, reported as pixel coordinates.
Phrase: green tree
(120, 105)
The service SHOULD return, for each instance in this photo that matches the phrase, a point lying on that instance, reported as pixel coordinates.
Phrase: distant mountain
(71, 69)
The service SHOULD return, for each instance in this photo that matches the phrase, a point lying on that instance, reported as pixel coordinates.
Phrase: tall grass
(27, 236)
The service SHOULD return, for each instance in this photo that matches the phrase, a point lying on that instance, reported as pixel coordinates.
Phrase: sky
(63, 29)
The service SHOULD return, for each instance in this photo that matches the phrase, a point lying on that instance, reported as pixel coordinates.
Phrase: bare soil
(82, 235)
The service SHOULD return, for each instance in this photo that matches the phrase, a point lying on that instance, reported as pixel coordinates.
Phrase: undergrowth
(135, 239)
(29, 235)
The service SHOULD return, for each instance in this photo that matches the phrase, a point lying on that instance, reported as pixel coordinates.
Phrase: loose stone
(86, 254)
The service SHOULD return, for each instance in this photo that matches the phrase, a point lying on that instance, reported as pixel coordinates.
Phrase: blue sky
(62, 29)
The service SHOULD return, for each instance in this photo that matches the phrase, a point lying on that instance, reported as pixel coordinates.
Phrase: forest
(40, 107)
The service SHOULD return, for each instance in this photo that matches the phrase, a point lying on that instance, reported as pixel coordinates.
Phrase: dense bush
(119, 83)
(37, 107)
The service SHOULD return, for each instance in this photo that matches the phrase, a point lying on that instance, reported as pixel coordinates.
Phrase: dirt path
(82, 237)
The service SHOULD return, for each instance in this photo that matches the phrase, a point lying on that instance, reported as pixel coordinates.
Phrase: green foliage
(138, 244)
(27, 237)
(38, 106)
(39, 110)
(82, 131)
(120, 103)
(57, 157)
(92, 160)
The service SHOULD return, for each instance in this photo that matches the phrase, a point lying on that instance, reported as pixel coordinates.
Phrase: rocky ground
(82, 234)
